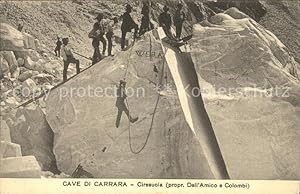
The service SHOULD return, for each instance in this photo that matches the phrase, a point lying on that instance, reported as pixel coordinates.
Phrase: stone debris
(15, 74)
(25, 75)
(11, 39)
(3, 66)
(23, 69)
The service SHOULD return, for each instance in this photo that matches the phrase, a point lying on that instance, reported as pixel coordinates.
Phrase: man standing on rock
(127, 25)
(110, 33)
(58, 47)
(68, 58)
(165, 21)
(94, 34)
(146, 24)
(179, 18)
(101, 29)
(20, 27)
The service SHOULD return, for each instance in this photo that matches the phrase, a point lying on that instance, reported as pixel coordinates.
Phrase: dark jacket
(179, 17)
(165, 19)
(58, 44)
(121, 96)
(145, 11)
(128, 23)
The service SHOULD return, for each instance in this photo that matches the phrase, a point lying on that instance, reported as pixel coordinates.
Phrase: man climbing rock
(101, 30)
(165, 21)
(68, 58)
(127, 25)
(58, 47)
(146, 24)
(179, 18)
(120, 104)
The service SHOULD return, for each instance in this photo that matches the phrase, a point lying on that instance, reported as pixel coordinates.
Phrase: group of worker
(101, 29)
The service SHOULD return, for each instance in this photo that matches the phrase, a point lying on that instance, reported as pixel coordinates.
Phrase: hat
(128, 6)
(122, 82)
(166, 8)
(65, 39)
(99, 16)
(179, 5)
(115, 19)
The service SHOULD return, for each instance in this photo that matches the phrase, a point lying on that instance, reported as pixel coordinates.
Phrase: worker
(110, 34)
(101, 38)
(68, 58)
(20, 27)
(127, 25)
(146, 24)
(58, 47)
(165, 21)
(179, 18)
(120, 104)
(95, 34)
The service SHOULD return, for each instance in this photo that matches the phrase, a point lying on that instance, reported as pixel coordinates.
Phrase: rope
(128, 59)
(153, 114)
(149, 132)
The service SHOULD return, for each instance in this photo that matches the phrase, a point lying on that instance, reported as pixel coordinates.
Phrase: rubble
(11, 39)
(25, 75)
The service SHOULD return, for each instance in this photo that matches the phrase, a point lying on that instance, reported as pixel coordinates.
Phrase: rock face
(245, 72)
(85, 125)
(258, 135)
(24, 76)
(29, 129)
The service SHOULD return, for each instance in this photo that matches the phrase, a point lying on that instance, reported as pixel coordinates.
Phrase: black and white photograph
(150, 89)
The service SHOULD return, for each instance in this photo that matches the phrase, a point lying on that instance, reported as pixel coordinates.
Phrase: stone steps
(8, 149)
(20, 167)
(12, 163)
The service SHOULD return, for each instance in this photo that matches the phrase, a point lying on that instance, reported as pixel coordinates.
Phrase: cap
(166, 8)
(179, 5)
(99, 16)
(128, 6)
